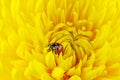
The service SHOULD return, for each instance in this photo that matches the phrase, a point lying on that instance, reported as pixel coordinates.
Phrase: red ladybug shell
(59, 49)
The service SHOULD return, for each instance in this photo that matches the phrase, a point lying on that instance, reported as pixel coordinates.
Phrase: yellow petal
(36, 68)
(19, 64)
(67, 63)
(15, 7)
(102, 35)
(75, 78)
(39, 6)
(114, 69)
(91, 59)
(102, 54)
(16, 75)
(57, 73)
(39, 30)
(60, 59)
(75, 70)
(91, 74)
(24, 51)
(38, 56)
(114, 55)
(45, 76)
(30, 5)
(27, 73)
(50, 60)
(85, 44)
(51, 8)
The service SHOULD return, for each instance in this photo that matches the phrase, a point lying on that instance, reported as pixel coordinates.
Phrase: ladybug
(56, 47)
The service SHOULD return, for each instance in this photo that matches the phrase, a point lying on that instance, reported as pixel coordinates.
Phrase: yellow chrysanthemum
(88, 31)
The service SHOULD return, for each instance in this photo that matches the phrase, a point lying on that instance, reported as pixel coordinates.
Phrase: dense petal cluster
(88, 30)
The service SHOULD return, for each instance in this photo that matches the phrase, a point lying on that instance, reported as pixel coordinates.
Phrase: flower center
(75, 41)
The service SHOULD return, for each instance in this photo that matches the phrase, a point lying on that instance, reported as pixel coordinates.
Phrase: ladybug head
(54, 46)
